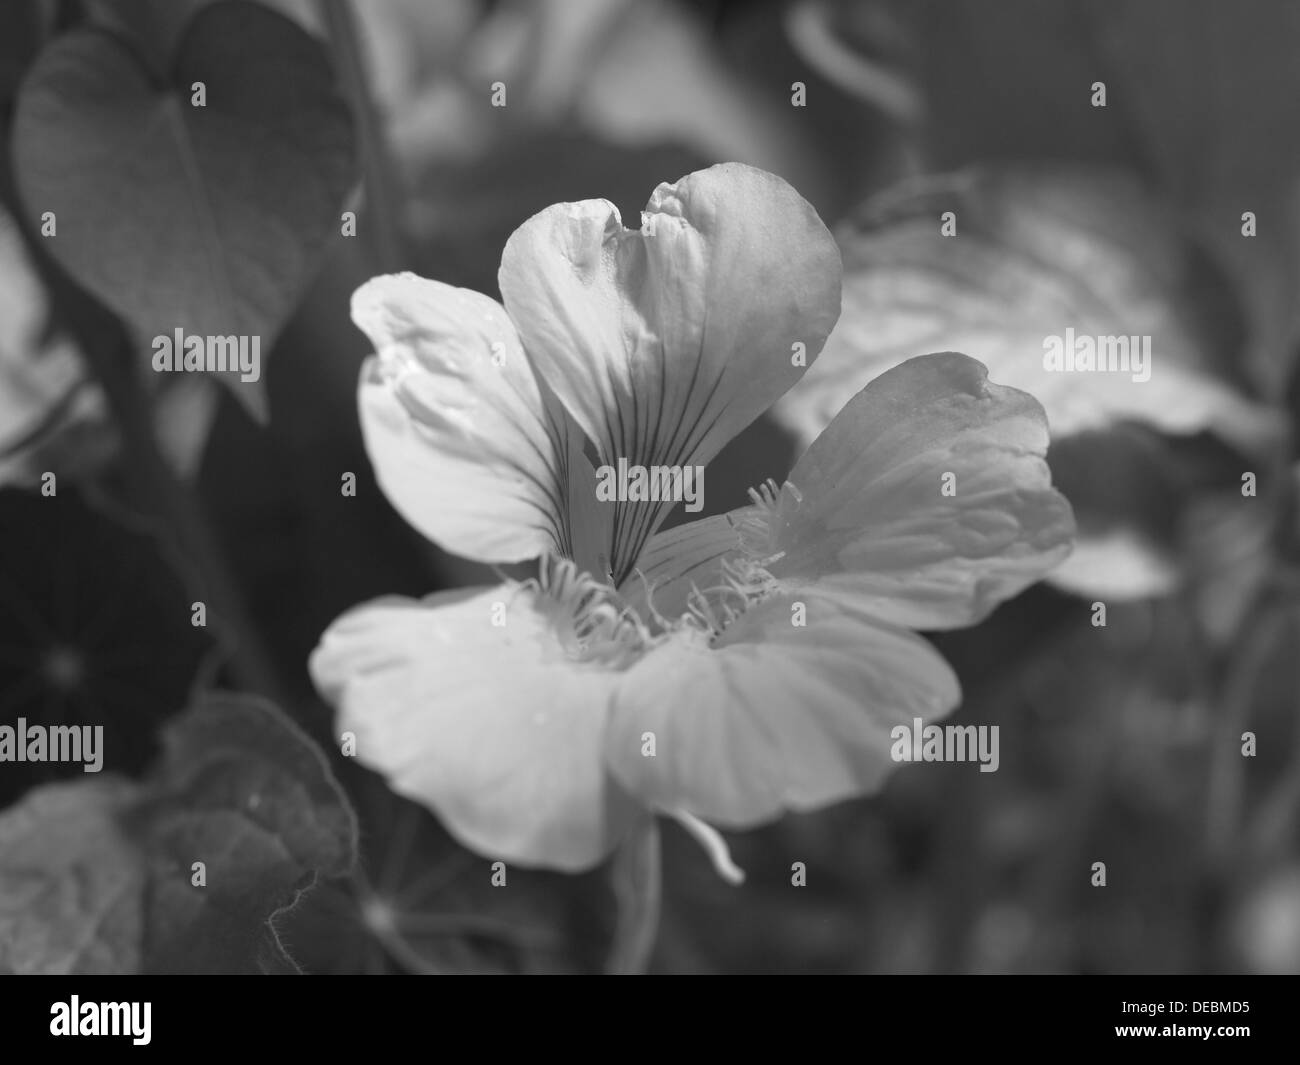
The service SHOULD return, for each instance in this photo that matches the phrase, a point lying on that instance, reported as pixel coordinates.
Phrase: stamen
(592, 622)
(649, 588)
(757, 525)
(746, 578)
(714, 846)
(766, 494)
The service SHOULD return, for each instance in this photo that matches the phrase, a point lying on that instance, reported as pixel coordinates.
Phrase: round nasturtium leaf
(209, 219)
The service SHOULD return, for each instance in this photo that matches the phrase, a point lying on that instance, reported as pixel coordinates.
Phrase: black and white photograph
(650, 487)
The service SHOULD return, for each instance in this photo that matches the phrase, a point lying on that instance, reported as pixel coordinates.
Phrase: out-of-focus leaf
(645, 76)
(85, 641)
(1035, 253)
(24, 25)
(862, 49)
(427, 905)
(1212, 91)
(151, 28)
(1155, 511)
(100, 877)
(52, 415)
(407, 43)
(1229, 555)
(209, 219)
(71, 884)
(243, 791)
(1200, 99)
(658, 77)
(154, 27)
(1011, 80)
(1266, 925)
(1127, 506)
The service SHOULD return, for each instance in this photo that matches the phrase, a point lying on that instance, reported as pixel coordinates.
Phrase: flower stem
(182, 526)
(637, 889)
(1255, 643)
(383, 189)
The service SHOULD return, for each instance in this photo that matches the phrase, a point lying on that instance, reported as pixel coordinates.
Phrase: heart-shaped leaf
(243, 791)
(100, 876)
(210, 219)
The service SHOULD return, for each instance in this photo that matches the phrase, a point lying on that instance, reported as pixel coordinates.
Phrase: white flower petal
(774, 716)
(466, 443)
(665, 342)
(490, 726)
(875, 523)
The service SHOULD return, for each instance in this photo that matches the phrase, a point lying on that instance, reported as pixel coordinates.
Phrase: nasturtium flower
(762, 655)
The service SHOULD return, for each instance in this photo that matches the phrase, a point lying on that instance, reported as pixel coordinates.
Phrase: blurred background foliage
(1120, 744)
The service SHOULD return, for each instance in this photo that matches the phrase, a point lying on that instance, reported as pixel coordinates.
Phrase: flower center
(594, 624)
(591, 620)
(744, 578)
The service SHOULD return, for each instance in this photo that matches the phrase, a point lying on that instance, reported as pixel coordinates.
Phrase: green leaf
(99, 876)
(209, 219)
(1200, 99)
(1036, 251)
(52, 415)
(1213, 90)
(23, 25)
(242, 790)
(71, 884)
